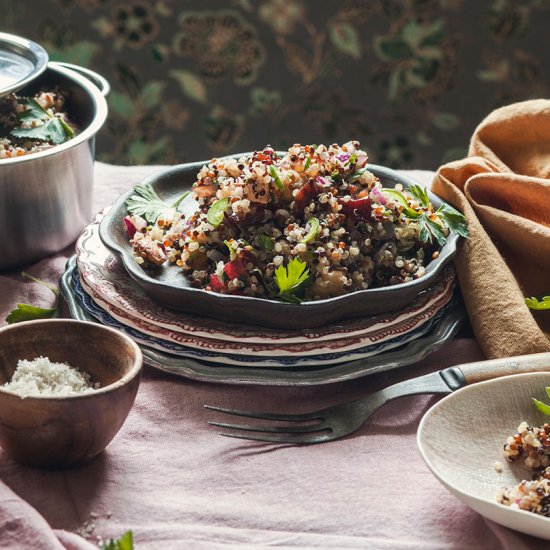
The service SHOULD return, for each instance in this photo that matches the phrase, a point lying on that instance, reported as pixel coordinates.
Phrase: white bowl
(462, 437)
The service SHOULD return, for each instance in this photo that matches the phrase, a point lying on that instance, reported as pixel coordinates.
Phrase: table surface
(177, 484)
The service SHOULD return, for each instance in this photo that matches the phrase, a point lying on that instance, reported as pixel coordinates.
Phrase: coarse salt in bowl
(44, 378)
(48, 417)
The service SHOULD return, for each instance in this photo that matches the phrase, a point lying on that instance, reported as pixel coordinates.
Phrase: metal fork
(341, 420)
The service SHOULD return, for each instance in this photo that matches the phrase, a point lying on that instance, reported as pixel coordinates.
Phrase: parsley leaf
(420, 194)
(33, 110)
(535, 303)
(147, 204)
(216, 211)
(454, 220)
(543, 407)
(27, 312)
(430, 229)
(125, 542)
(291, 279)
(53, 129)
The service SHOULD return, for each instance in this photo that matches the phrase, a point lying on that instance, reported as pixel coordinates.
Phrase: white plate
(461, 437)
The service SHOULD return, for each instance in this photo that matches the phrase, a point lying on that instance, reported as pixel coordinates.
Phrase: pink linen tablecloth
(177, 484)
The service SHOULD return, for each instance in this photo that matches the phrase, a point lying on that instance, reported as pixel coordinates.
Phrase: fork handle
(494, 368)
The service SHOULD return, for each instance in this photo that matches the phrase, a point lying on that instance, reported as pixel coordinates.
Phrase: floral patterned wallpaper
(192, 79)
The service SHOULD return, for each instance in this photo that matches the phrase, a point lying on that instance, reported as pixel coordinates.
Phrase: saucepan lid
(21, 61)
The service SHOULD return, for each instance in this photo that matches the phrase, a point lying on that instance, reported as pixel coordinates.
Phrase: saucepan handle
(494, 368)
(101, 83)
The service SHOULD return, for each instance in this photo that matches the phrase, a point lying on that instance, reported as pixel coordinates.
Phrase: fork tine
(308, 440)
(267, 416)
(272, 429)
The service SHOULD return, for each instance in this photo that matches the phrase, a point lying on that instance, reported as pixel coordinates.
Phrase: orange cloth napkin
(503, 189)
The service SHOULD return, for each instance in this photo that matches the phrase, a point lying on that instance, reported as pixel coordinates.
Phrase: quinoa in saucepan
(308, 224)
(33, 124)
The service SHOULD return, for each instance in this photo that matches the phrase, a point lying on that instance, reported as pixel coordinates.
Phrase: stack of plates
(97, 286)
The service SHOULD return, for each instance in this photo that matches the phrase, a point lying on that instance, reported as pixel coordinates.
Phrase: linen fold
(503, 189)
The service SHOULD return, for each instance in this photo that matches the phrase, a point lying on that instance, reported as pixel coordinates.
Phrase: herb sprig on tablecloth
(125, 542)
(28, 312)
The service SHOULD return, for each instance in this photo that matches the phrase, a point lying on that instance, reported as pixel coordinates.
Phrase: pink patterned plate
(272, 348)
(114, 290)
(264, 361)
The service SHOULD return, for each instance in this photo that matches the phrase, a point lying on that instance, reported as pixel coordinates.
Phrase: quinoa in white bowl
(529, 446)
(307, 224)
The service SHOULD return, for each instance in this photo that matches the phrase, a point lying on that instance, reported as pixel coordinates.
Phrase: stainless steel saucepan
(46, 197)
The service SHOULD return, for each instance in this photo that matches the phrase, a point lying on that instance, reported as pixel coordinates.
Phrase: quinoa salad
(33, 124)
(307, 224)
(530, 446)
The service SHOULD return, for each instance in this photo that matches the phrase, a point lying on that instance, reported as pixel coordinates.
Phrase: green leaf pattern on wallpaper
(190, 79)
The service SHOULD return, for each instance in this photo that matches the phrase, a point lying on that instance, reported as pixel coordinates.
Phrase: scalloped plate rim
(260, 310)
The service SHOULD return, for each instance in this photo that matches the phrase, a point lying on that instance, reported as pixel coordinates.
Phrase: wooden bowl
(60, 432)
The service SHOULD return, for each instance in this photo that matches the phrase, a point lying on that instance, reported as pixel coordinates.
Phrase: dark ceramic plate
(168, 286)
